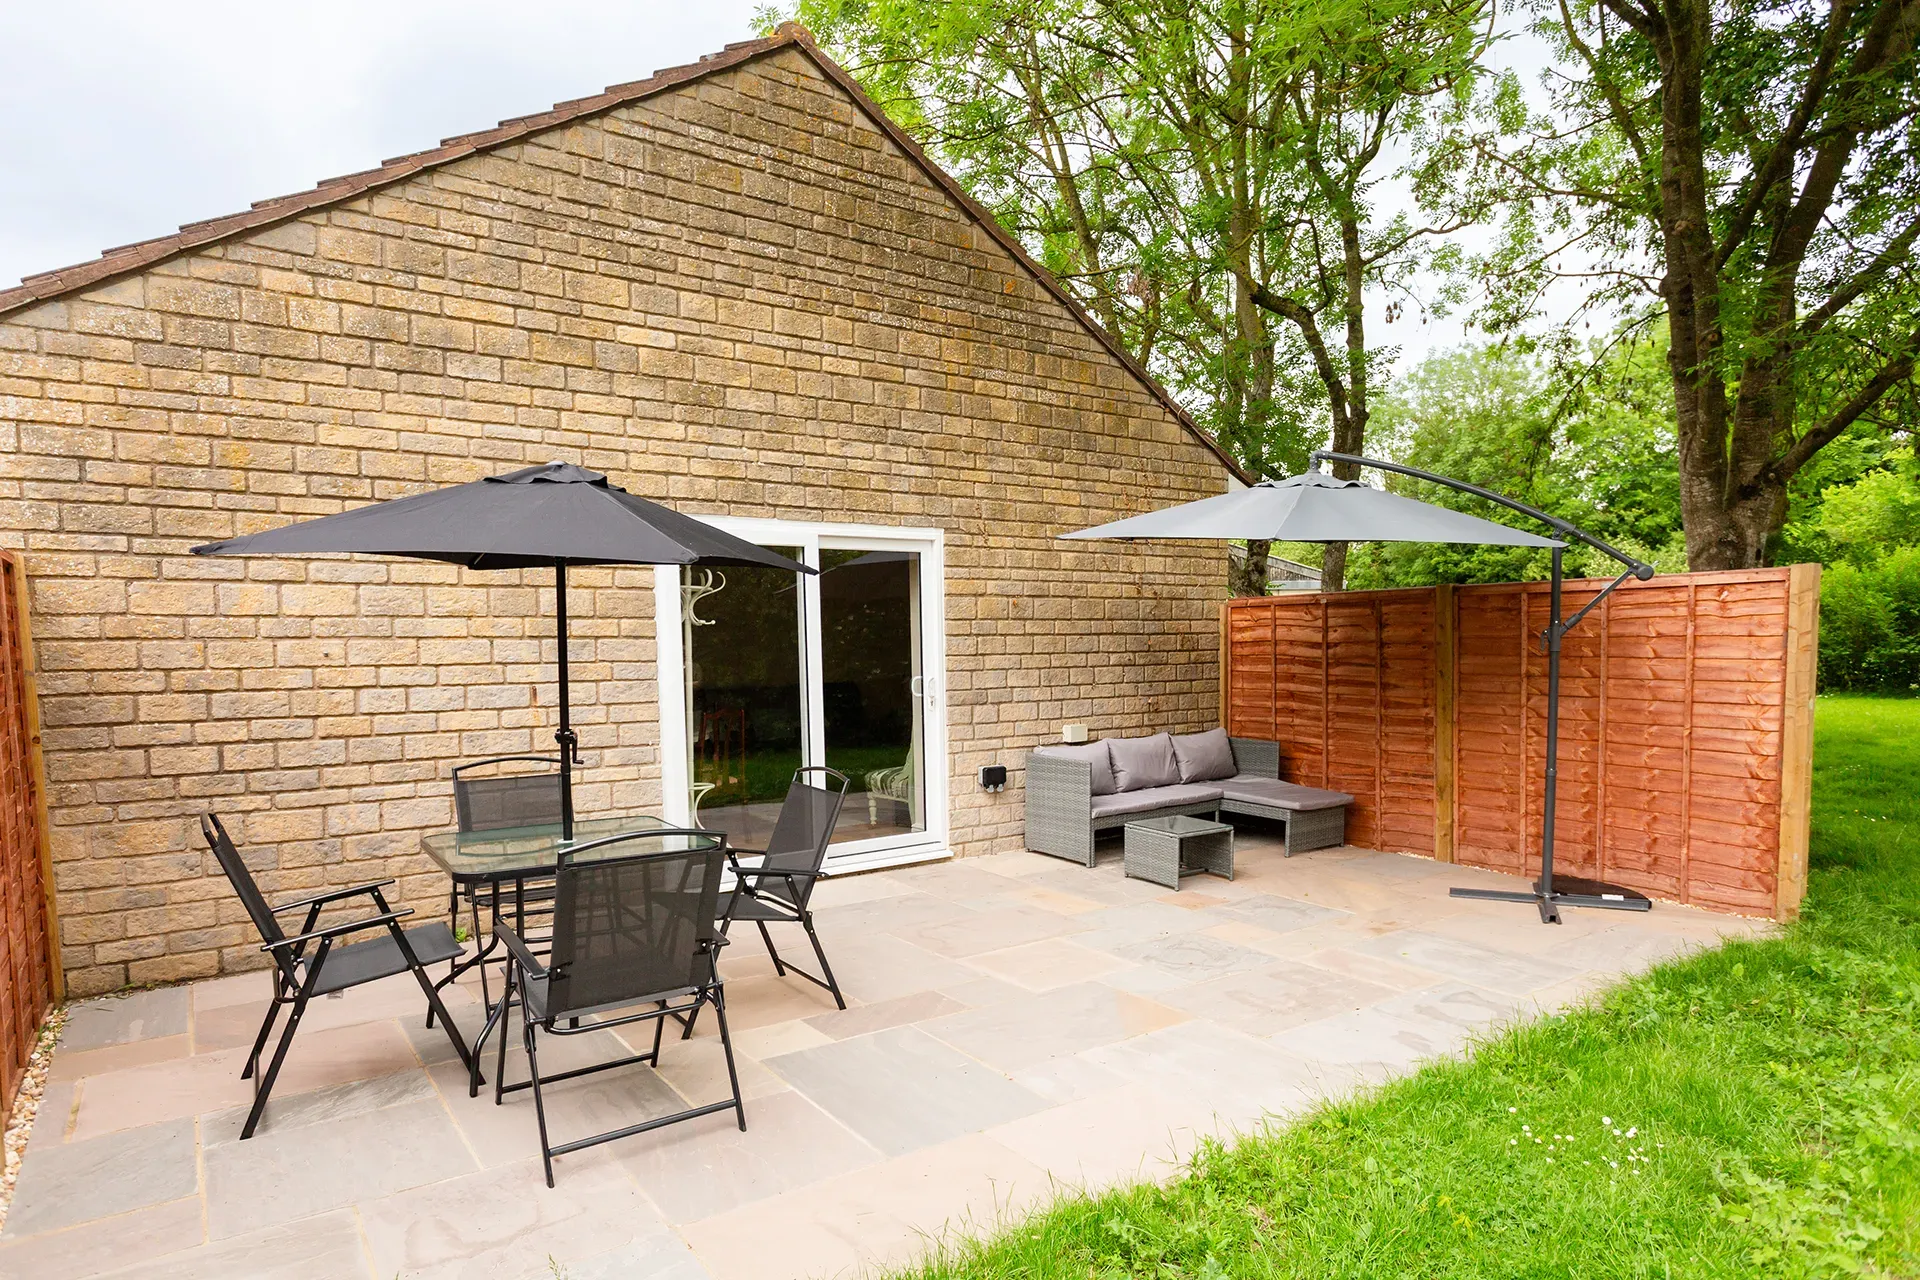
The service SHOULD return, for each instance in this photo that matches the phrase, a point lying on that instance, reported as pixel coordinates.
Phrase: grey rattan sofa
(1064, 815)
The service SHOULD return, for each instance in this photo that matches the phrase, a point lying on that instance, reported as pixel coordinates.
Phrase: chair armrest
(332, 895)
(742, 873)
(334, 931)
(522, 953)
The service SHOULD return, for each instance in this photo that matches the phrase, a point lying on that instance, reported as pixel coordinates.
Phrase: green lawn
(1753, 1111)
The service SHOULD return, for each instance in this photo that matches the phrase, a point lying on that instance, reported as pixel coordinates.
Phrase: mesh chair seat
(378, 958)
(743, 906)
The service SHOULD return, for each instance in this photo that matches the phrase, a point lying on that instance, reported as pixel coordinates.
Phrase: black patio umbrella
(557, 514)
(1321, 508)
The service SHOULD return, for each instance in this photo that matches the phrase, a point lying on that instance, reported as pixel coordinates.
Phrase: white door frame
(670, 675)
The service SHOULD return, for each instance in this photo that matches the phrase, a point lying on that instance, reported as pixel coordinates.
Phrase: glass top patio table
(515, 853)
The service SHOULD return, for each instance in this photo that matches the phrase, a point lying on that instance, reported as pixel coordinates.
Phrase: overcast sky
(126, 120)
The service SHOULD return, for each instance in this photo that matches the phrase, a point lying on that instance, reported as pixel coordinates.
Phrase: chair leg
(686, 1032)
(539, 1106)
(726, 1048)
(486, 996)
(453, 926)
(266, 1029)
(263, 1085)
(659, 1030)
(806, 921)
(500, 1065)
(778, 966)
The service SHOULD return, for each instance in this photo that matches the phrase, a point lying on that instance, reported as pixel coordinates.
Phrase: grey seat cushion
(1095, 755)
(1280, 795)
(1204, 757)
(1152, 798)
(1139, 763)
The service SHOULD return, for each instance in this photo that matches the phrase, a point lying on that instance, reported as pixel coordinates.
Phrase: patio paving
(1018, 1025)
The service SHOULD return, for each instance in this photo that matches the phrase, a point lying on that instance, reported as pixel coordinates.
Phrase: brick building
(734, 287)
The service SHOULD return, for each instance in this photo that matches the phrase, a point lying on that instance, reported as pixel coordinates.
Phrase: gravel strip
(26, 1104)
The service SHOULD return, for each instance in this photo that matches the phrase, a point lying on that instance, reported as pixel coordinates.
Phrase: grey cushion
(1152, 798)
(1203, 757)
(1095, 754)
(1281, 795)
(1143, 762)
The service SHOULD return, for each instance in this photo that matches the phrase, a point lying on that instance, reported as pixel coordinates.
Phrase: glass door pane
(873, 688)
(746, 703)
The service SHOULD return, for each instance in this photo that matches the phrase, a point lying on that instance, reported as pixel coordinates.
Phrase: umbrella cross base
(1566, 891)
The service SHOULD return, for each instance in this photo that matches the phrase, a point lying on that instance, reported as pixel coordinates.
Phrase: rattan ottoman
(1162, 849)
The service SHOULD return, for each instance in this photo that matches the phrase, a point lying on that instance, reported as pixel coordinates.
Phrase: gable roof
(130, 259)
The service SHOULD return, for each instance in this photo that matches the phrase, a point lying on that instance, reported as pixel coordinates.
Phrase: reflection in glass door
(745, 699)
(872, 688)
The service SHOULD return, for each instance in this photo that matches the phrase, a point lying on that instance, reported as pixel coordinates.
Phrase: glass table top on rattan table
(514, 853)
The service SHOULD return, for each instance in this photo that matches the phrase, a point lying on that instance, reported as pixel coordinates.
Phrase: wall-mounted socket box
(993, 776)
(1073, 733)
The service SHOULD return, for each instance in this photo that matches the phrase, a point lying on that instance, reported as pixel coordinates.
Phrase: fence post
(1226, 664)
(37, 772)
(1444, 650)
(1796, 738)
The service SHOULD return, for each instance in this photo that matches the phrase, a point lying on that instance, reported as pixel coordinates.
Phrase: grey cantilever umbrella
(556, 514)
(1316, 508)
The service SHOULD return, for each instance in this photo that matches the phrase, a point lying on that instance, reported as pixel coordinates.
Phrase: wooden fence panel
(1685, 725)
(29, 981)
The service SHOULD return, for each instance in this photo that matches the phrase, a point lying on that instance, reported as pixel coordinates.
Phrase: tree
(1200, 173)
(1746, 170)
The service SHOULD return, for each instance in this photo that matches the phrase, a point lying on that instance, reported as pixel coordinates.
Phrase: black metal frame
(523, 965)
(291, 987)
(483, 952)
(799, 885)
(1546, 895)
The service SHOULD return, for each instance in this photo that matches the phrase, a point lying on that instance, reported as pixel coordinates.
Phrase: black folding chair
(778, 888)
(496, 801)
(633, 924)
(299, 976)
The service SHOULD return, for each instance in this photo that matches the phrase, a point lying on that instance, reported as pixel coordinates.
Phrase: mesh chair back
(241, 879)
(801, 833)
(630, 913)
(495, 801)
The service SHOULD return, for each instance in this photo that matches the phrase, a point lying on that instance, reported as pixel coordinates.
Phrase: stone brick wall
(736, 297)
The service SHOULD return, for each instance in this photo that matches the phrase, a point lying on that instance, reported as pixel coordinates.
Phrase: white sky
(128, 119)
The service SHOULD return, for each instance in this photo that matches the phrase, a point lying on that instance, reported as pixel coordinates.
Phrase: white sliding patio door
(760, 674)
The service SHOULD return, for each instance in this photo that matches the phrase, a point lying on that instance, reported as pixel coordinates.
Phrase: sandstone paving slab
(876, 967)
(1049, 963)
(505, 1222)
(994, 930)
(278, 1176)
(858, 1020)
(708, 1166)
(902, 1089)
(141, 1015)
(1120, 1136)
(320, 1106)
(105, 1244)
(326, 1245)
(1277, 913)
(1193, 957)
(1483, 966)
(509, 1132)
(78, 1181)
(1051, 1024)
(1262, 1002)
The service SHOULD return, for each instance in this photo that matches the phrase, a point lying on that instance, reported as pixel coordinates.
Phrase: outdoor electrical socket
(1073, 733)
(993, 776)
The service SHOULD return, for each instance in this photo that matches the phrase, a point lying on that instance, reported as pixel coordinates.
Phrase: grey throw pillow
(1139, 763)
(1203, 757)
(1095, 754)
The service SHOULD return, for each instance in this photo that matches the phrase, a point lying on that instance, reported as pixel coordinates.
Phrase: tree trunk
(1249, 576)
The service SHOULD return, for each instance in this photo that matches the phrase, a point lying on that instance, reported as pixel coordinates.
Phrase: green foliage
(1596, 449)
(1870, 624)
(1201, 174)
(1749, 1111)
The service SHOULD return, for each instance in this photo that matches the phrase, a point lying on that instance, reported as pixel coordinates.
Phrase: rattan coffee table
(1164, 849)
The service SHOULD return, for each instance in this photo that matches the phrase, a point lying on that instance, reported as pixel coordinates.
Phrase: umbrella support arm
(1546, 895)
(1638, 568)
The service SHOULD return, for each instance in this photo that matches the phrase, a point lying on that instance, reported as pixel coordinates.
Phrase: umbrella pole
(565, 736)
(1556, 630)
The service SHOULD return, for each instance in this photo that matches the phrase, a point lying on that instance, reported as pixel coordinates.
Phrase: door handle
(917, 686)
